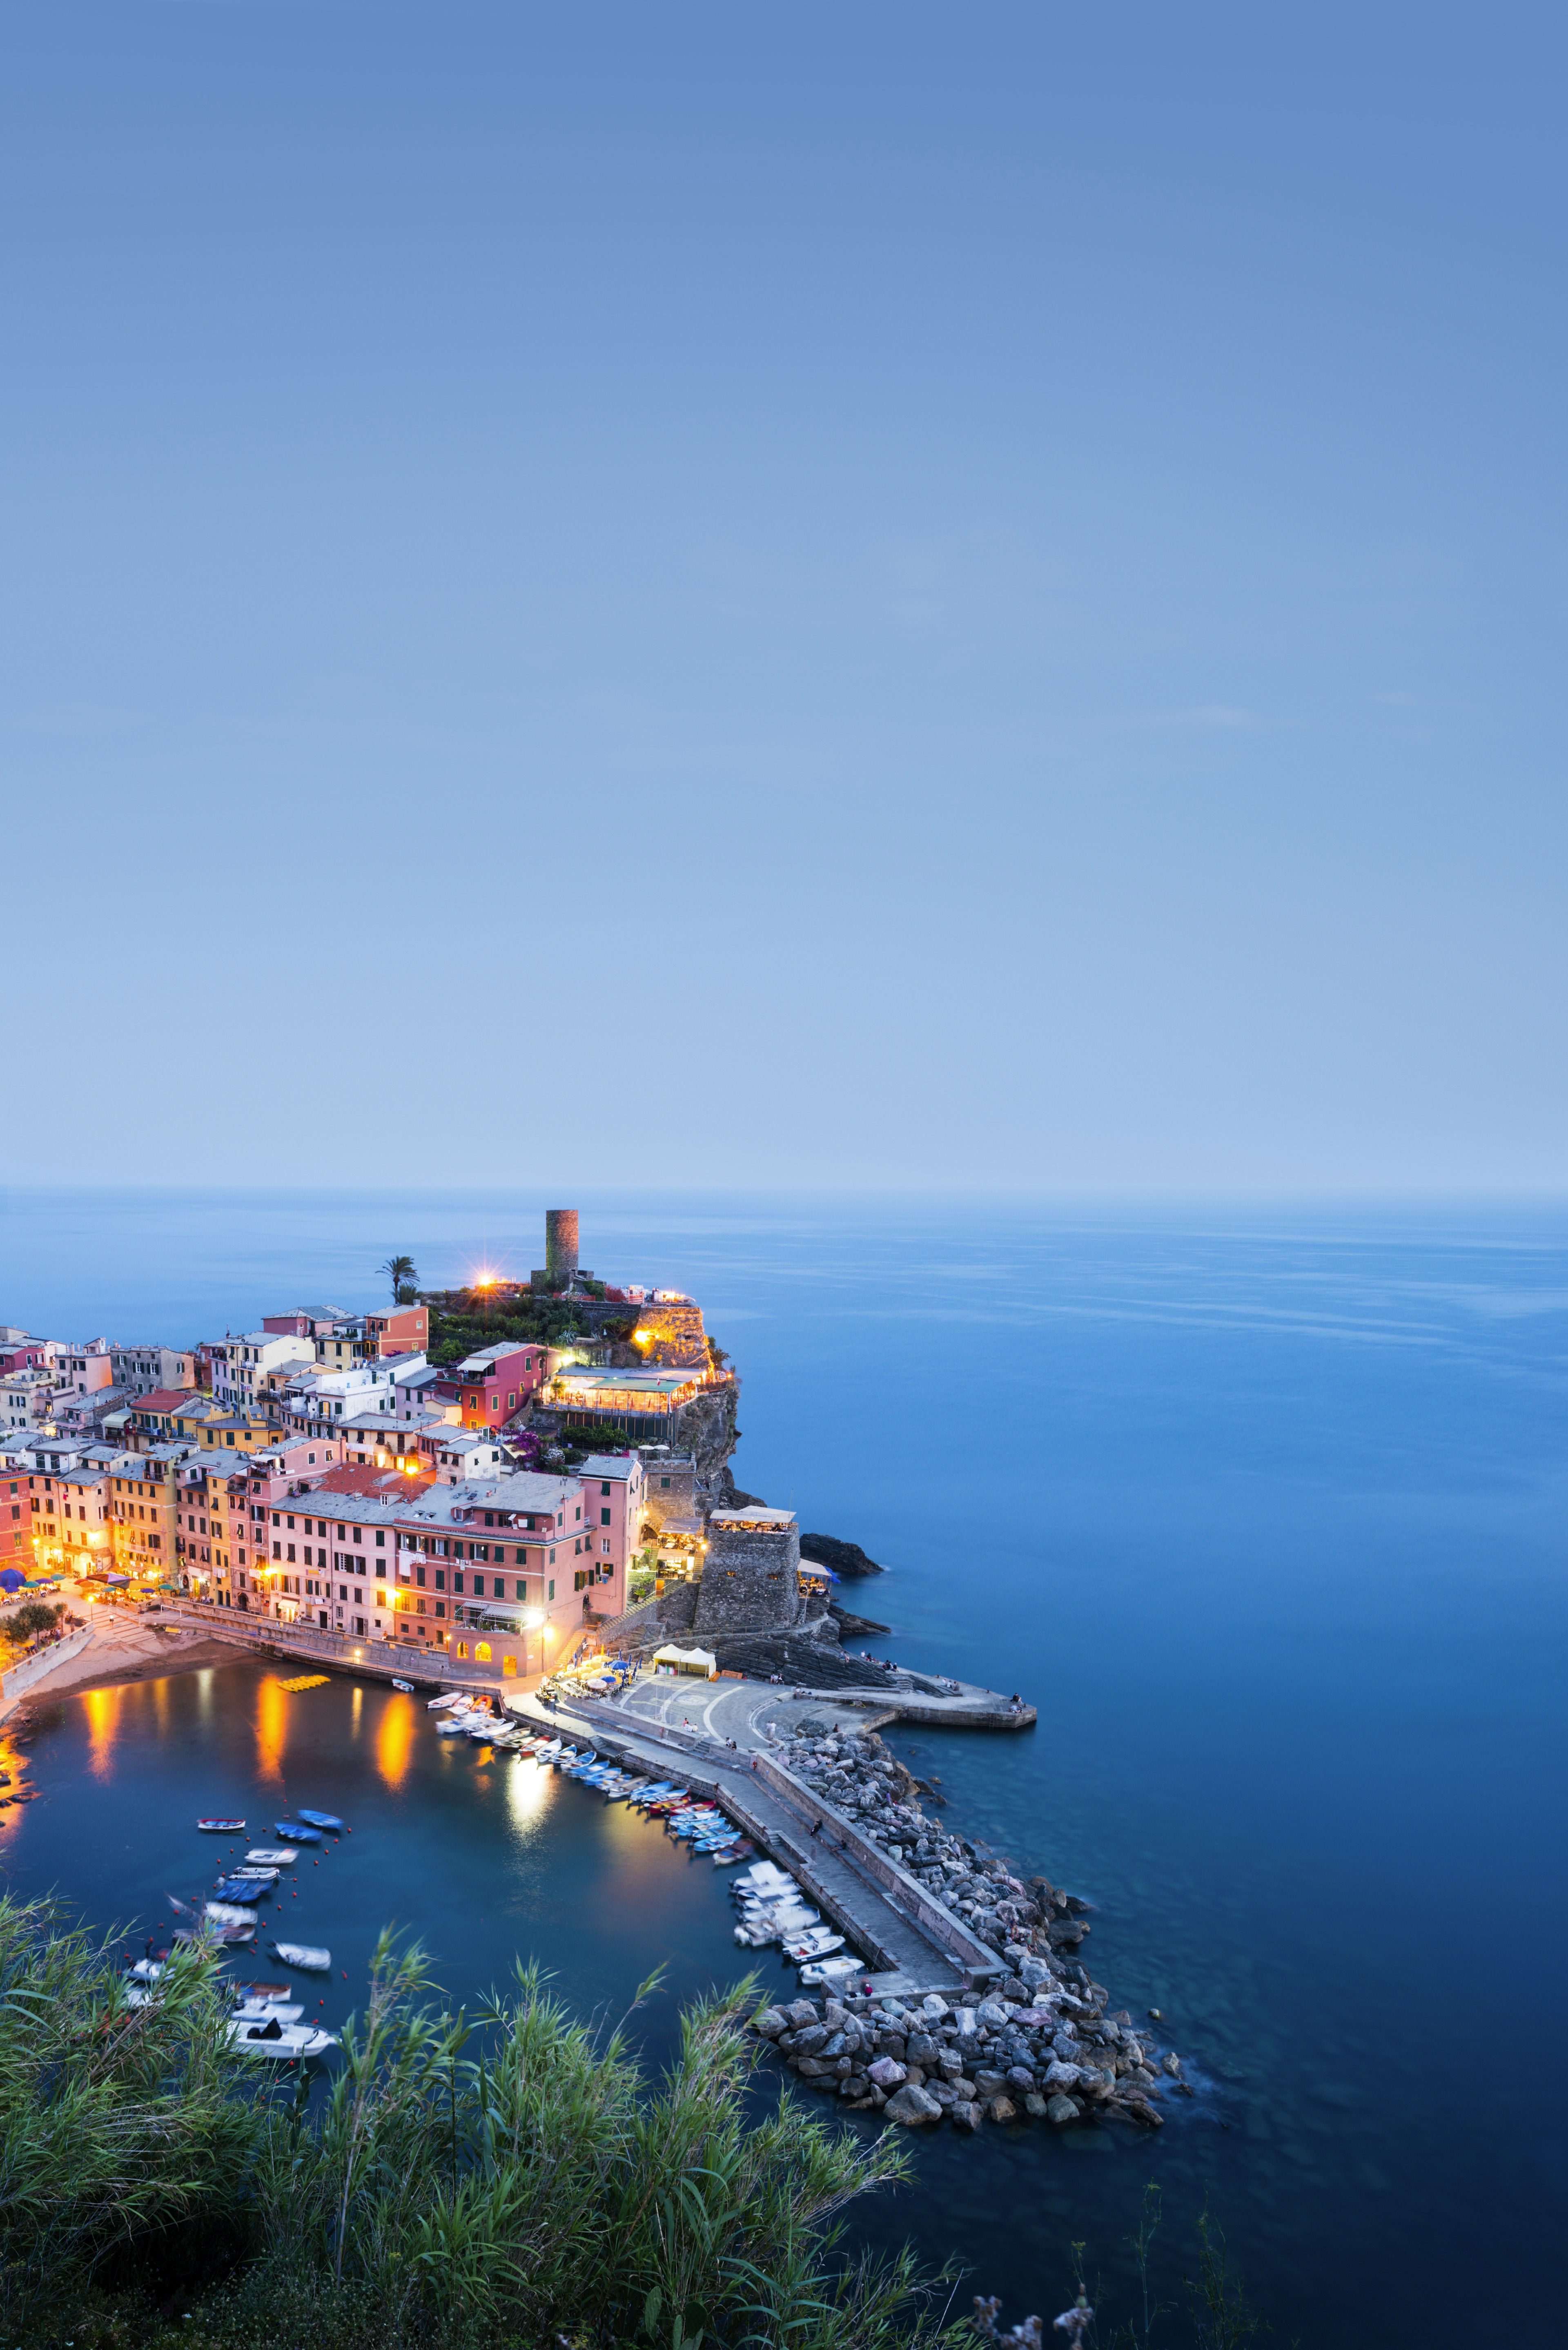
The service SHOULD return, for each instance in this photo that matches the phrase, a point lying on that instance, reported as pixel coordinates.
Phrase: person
(816, 1827)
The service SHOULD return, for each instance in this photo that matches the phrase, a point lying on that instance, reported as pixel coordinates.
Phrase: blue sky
(794, 595)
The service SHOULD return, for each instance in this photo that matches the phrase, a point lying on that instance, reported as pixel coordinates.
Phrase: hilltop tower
(560, 1243)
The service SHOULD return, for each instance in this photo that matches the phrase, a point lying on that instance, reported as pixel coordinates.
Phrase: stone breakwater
(1041, 2042)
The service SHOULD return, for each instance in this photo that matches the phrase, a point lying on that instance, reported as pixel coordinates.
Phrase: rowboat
(221, 1827)
(297, 1832)
(228, 1913)
(272, 1856)
(407, 1687)
(327, 1820)
(240, 1888)
(445, 1704)
(262, 2011)
(308, 1959)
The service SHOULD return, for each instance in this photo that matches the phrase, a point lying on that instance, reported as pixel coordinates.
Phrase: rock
(1171, 2064)
(912, 2106)
(1032, 1972)
(952, 2064)
(922, 2049)
(1059, 2075)
(1142, 2111)
(966, 2091)
(891, 2043)
(1060, 2110)
(811, 2067)
(854, 2086)
(967, 2023)
(1001, 2109)
(915, 2073)
(1034, 2103)
(1020, 2077)
(771, 2023)
(843, 1558)
(1065, 2043)
(886, 2073)
(812, 2041)
(801, 2011)
(990, 2014)
(988, 2085)
(966, 2114)
(934, 2006)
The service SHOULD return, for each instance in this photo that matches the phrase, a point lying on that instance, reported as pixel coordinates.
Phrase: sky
(715, 592)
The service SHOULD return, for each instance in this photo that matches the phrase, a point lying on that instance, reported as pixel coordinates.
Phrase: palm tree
(400, 1271)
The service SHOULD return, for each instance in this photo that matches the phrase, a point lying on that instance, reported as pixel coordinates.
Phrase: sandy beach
(125, 1648)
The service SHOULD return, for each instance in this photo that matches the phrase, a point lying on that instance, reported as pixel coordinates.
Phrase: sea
(1266, 1510)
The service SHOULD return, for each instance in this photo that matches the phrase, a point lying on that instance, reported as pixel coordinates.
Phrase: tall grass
(505, 2179)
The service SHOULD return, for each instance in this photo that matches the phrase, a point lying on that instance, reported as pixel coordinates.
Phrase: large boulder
(771, 2023)
(1061, 2109)
(912, 2106)
(966, 2114)
(888, 2072)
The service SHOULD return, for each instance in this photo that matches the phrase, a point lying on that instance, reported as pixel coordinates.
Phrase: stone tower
(751, 1577)
(560, 1243)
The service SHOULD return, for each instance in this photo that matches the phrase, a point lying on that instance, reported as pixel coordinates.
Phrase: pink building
(491, 1385)
(612, 1519)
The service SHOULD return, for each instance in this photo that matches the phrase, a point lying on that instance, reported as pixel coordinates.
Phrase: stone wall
(751, 1580)
(671, 1338)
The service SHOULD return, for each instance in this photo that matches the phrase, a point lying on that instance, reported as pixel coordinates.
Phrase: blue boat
(240, 1888)
(295, 1832)
(327, 1820)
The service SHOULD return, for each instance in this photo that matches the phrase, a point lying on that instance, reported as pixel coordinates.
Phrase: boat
(407, 1687)
(262, 2011)
(831, 1970)
(221, 1827)
(327, 1820)
(440, 1704)
(281, 2040)
(308, 1959)
(815, 1945)
(296, 1831)
(254, 1993)
(258, 1872)
(228, 1913)
(451, 1725)
(272, 1856)
(240, 1888)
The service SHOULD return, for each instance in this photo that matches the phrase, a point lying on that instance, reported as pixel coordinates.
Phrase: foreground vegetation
(512, 2178)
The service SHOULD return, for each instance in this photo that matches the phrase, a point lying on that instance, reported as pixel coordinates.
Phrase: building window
(482, 1653)
(552, 1587)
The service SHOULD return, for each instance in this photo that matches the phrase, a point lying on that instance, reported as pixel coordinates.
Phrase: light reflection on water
(102, 1707)
(394, 1736)
(272, 1730)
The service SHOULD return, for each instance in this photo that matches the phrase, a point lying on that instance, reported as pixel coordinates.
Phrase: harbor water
(1266, 1512)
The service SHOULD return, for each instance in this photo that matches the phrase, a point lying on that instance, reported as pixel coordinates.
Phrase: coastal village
(545, 1517)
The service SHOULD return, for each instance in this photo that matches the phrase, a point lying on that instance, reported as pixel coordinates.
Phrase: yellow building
(142, 1499)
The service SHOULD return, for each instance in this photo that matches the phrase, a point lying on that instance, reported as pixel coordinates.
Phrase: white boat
(226, 1913)
(306, 1956)
(272, 1856)
(147, 1970)
(816, 1945)
(442, 1704)
(254, 1872)
(829, 1970)
(262, 2011)
(407, 1687)
(281, 2040)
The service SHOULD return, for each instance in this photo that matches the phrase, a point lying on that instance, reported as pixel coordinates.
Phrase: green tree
(31, 1621)
(400, 1271)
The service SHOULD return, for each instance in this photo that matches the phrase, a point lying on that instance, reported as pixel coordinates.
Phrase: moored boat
(306, 1957)
(327, 1820)
(221, 1826)
(272, 1856)
(280, 2040)
(407, 1687)
(296, 1831)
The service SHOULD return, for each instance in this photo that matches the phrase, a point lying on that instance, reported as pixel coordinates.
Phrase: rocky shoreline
(1042, 2041)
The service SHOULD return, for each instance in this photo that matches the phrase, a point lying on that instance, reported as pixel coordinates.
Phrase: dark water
(1267, 1516)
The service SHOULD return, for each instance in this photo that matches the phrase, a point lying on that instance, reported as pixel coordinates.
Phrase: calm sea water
(1267, 1513)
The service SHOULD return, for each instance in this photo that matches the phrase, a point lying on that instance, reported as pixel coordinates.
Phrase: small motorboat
(285, 2039)
(257, 1871)
(407, 1687)
(262, 2011)
(147, 1970)
(830, 1971)
(259, 1994)
(451, 1725)
(240, 1888)
(221, 1827)
(297, 1832)
(306, 1958)
(440, 1704)
(272, 1856)
(327, 1820)
(815, 1945)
